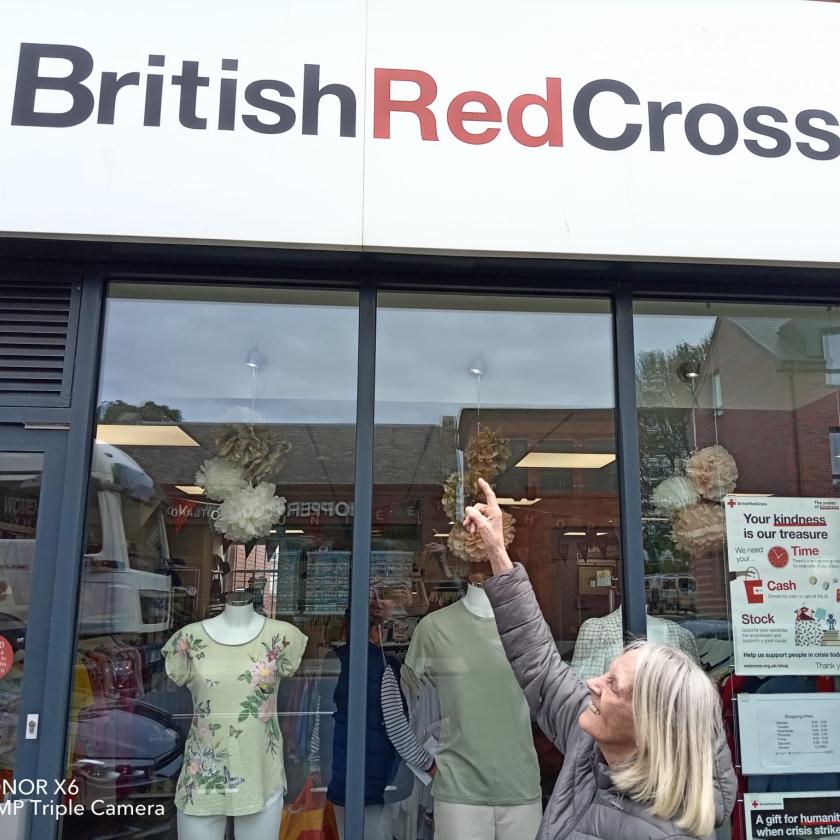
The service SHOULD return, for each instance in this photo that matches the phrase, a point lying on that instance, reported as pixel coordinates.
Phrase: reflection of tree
(664, 443)
(117, 411)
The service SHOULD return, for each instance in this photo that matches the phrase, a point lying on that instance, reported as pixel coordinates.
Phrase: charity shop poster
(786, 815)
(784, 583)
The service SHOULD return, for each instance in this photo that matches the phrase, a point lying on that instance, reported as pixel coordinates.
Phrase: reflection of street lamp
(257, 361)
(478, 368)
(689, 372)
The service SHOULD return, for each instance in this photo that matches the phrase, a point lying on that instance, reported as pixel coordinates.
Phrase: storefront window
(518, 391)
(738, 416)
(216, 570)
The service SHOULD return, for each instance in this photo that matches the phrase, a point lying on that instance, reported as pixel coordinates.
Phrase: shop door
(31, 474)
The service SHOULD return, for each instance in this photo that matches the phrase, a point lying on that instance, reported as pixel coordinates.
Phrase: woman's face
(609, 716)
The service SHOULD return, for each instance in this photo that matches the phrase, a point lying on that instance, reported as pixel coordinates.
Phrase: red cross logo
(732, 503)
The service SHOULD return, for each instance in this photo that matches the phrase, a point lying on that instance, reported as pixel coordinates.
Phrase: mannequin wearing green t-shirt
(488, 782)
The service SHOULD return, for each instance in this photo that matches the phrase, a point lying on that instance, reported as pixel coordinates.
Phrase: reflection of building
(767, 392)
(776, 408)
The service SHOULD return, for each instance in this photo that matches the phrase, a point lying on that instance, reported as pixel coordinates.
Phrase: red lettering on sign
(383, 104)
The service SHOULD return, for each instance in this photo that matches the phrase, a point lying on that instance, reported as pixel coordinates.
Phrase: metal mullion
(360, 566)
(61, 652)
(629, 482)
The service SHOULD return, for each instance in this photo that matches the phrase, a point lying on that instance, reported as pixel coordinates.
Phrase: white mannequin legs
(378, 822)
(264, 824)
(486, 822)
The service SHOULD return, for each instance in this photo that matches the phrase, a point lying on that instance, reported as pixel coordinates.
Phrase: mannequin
(237, 623)
(600, 640)
(485, 724)
(477, 602)
(233, 758)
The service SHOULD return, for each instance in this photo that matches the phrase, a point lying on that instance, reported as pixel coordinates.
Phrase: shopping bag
(309, 817)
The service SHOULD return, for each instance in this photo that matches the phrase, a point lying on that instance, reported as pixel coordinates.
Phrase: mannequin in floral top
(233, 758)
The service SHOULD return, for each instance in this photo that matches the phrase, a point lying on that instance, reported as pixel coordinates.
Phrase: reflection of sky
(660, 332)
(534, 360)
(191, 355)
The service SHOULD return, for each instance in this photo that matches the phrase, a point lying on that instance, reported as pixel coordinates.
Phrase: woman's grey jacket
(584, 804)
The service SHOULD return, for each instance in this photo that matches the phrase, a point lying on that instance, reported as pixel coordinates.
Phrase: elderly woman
(643, 746)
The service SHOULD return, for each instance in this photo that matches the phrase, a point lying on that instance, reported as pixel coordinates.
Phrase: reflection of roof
(799, 339)
(768, 333)
(321, 454)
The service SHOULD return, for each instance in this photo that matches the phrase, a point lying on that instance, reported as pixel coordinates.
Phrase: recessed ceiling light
(504, 500)
(190, 489)
(574, 533)
(293, 531)
(144, 435)
(567, 460)
(440, 535)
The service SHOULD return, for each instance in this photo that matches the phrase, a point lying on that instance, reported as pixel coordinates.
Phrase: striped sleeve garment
(397, 726)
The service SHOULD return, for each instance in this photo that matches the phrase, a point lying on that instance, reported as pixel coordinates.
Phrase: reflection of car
(127, 584)
(671, 593)
(124, 752)
(124, 747)
(653, 592)
(707, 627)
(126, 587)
(686, 594)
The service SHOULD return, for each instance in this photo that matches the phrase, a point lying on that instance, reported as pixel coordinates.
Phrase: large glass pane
(217, 558)
(518, 391)
(738, 425)
(20, 492)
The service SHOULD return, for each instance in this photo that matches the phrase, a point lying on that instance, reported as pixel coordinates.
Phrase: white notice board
(789, 733)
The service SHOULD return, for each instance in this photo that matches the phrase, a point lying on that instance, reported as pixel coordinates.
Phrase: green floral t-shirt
(233, 758)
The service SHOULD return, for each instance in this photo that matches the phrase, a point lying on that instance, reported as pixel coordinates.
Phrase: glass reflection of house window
(717, 394)
(834, 442)
(831, 353)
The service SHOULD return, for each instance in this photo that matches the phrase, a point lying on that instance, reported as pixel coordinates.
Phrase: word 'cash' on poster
(784, 582)
(789, 815)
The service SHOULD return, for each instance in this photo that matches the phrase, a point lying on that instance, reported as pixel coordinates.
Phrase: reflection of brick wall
(786, 453)
(763, 444)
(813, 422)
(776, 415)
(710, 573)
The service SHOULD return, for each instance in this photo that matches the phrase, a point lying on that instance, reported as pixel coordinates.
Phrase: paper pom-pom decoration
(250, 513)
(260, 452)
(674, 494)
(449, 499)
(699, 529)
(220, 479)
(713, 472)
(485, 457)
(487, 454)
(470, 547)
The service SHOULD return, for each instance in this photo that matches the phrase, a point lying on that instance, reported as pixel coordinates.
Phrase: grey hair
(677, 717)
